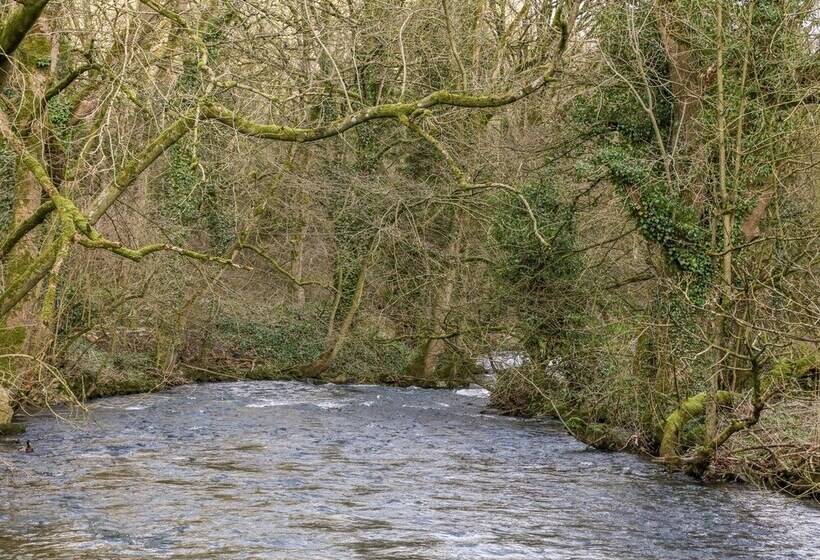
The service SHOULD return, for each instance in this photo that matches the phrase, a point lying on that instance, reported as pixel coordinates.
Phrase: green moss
(35, 51)
(791, 369)
(796, 367)
(8, 166)
(12, 429)
(691, 408)
(11, 339)
(11, 342)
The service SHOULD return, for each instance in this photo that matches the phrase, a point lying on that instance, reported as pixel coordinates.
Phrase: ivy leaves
(661, 217)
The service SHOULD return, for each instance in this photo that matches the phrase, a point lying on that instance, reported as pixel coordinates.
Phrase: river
(284, 470)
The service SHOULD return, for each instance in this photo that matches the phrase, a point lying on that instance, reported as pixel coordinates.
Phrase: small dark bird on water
(28, 448)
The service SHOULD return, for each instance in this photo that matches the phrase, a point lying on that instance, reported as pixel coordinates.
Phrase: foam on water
(474, 392)
(269, 403)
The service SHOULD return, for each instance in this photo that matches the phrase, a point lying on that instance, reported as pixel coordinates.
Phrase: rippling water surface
(281, 470)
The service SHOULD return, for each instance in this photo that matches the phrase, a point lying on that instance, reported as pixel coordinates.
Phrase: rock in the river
(5, 406)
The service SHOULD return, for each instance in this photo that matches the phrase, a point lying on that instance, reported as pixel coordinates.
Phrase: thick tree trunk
(21, 328)
(691, 408)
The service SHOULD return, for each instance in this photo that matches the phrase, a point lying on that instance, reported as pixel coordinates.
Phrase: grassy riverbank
(608, 410)
(233, 350)
(780, 452)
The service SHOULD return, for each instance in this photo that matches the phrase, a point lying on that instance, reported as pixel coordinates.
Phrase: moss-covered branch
(281, 270)
(245, 126)
(136, 255)
(25, 282)
(22, 229)
(15, 28)
(691, 408)
(132, 170)
(695, 406)
(270, 131)
(66, 81)
(211, 111)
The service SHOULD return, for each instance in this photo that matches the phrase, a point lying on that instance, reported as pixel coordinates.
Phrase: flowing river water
(284, 470)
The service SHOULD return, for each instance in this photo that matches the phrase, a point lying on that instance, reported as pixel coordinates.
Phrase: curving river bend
(283, 470)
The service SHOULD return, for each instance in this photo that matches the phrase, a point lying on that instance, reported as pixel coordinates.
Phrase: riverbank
(749, 458)
(781, 452)
(97, 372)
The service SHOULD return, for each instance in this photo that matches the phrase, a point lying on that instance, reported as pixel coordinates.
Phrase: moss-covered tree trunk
(690, 409)
(21, 329)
